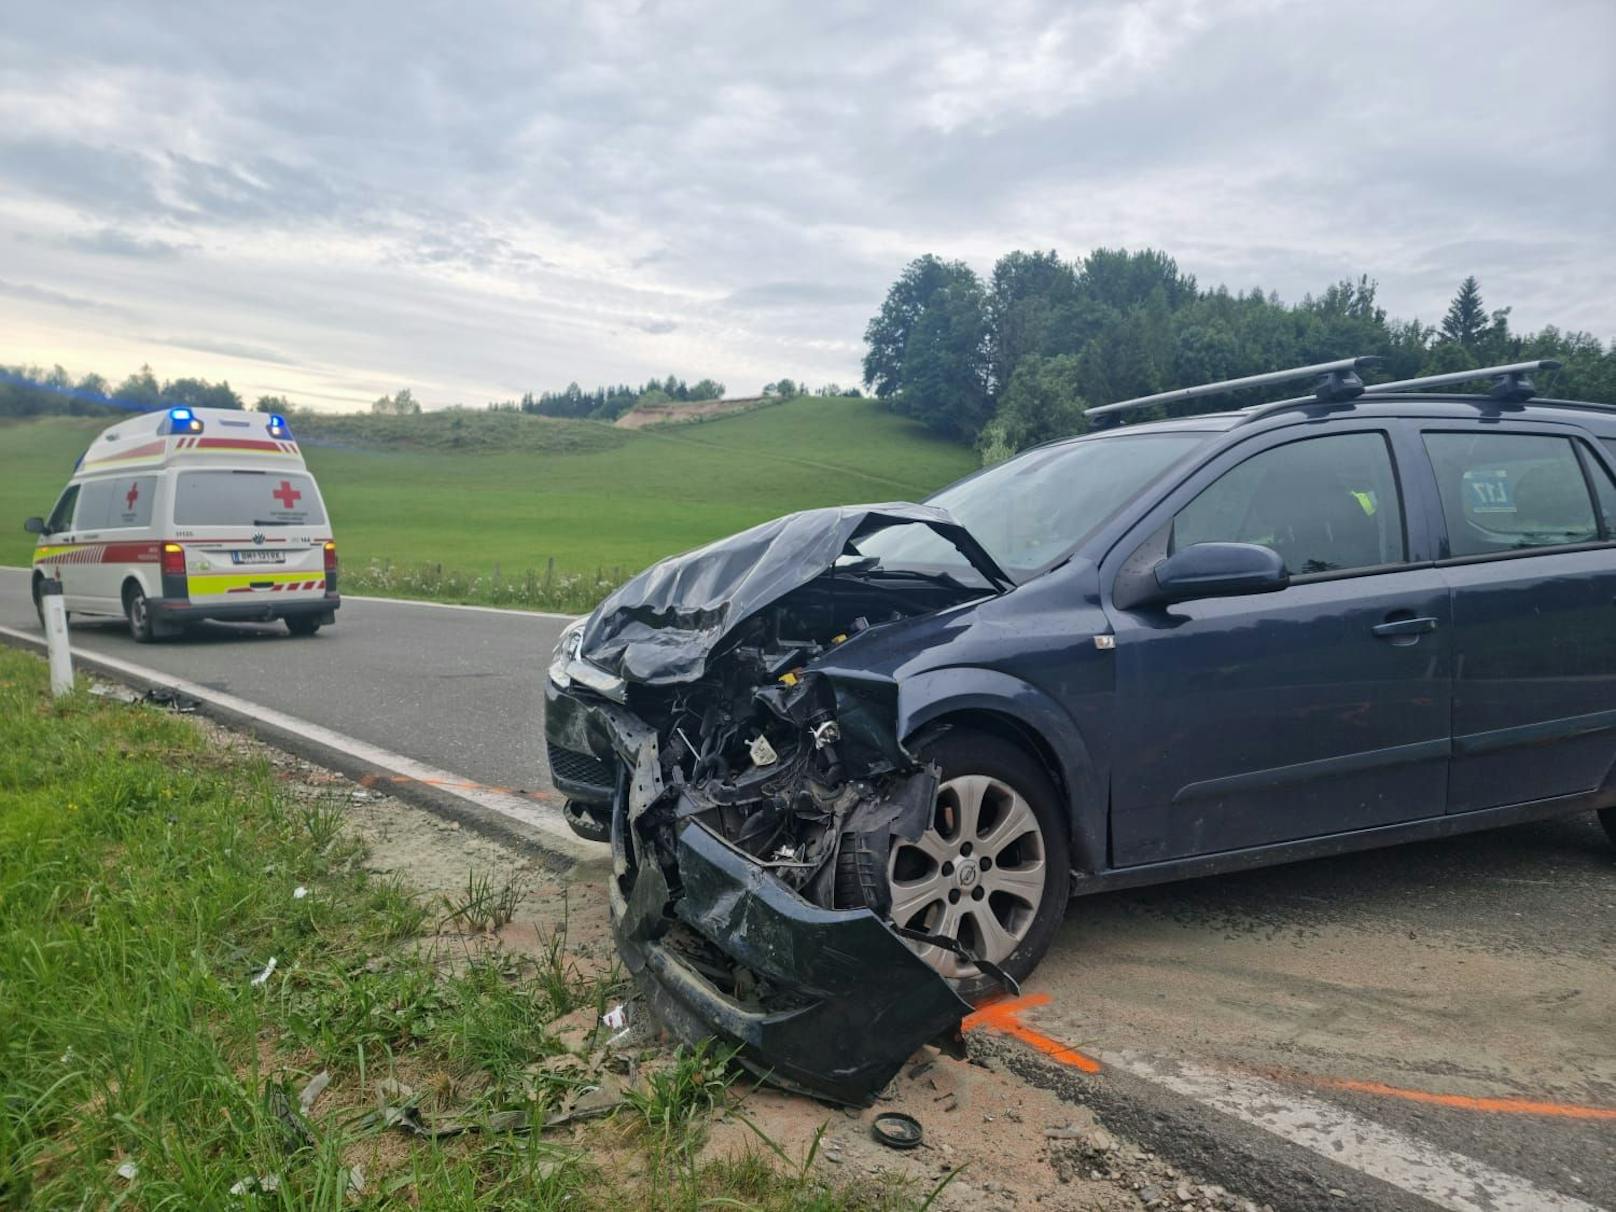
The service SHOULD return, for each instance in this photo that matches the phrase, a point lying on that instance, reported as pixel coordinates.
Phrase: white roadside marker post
(61, 656)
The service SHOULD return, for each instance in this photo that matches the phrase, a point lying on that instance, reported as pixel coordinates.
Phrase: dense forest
(1016, 360)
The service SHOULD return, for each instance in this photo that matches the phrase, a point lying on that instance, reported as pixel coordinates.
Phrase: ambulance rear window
(246, 498)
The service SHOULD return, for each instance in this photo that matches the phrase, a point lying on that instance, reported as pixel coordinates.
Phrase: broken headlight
(567, 667)
(565, 650)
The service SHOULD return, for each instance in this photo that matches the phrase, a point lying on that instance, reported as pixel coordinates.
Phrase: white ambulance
(187, 514)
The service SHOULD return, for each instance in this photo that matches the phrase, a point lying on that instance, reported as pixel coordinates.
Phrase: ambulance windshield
(246, 498)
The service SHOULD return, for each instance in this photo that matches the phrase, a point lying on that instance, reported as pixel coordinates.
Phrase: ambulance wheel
(39, 603)
(138, 614)
(302, 625)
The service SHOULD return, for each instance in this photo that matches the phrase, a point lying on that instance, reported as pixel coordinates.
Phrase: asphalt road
(1474, 968)
(459, 689)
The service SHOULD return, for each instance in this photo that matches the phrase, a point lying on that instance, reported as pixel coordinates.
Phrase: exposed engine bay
(760, 796)
(799, 773)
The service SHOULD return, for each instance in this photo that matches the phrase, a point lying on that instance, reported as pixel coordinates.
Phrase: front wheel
(39, 603)
(992, 869)
(137, 611)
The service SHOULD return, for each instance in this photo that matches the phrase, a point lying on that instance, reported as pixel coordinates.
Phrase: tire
(138, 615)
(1005, 912)
(1607, 818)
(39, 605)
(302, 624)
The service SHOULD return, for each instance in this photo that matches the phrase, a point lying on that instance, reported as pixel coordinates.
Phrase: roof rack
(1336, 381)
(1511, 387)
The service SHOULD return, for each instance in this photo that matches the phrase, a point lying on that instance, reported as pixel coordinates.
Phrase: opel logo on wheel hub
(967, 874)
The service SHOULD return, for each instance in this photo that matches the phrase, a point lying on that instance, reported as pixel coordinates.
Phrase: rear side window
(117, 503)
(246, 498)
(1506, 492)
(1324, 504)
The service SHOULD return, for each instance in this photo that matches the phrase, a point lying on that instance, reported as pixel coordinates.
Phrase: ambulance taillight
(330, 557)
(173, 562)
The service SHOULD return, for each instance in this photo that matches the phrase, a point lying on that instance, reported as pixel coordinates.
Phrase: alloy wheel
(976, 874)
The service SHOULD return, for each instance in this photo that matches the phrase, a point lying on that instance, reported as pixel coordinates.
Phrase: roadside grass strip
(207, 1001)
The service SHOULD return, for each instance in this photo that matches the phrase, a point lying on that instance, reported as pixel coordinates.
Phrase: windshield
(1032, 509)
(246, 498)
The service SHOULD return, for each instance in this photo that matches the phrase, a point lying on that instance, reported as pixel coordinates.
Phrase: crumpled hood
(662, 626)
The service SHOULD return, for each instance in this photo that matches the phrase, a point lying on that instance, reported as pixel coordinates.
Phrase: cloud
(40, 294)
(109, 241)
(609, 191)
(230, 349)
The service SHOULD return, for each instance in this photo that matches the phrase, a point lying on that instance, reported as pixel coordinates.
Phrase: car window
(126, 501)
(95, 502)
(1324, 504)
(1510, 491)
(1605, 491)
(62, 516)
(246, 498)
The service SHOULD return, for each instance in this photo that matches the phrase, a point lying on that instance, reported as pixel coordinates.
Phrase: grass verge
(183, 945)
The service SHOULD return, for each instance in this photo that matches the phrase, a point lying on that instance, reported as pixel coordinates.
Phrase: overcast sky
(335, 200)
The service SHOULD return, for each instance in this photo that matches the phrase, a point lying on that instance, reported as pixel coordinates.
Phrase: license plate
(258, 557)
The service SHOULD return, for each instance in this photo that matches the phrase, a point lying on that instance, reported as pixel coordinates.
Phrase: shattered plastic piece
(616, 1018)
(266, 1183)
(763, 753)
(299, 892)
(165, 696)
(311, 1092)
(269, 971)
(356, 1179)
(127, 1170)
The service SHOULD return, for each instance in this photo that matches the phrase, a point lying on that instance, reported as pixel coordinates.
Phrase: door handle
(1397, 627)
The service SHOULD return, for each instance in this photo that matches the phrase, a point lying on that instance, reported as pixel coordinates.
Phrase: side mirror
(34, 526)
(1219, 570)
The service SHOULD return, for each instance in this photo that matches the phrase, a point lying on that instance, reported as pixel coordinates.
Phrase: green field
(424, 508)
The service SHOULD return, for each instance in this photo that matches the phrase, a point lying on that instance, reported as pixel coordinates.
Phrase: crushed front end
(756, 803)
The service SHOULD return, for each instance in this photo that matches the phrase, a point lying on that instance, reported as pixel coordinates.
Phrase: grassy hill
(423, 507)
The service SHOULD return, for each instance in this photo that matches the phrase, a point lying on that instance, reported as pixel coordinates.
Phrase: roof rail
(1512, 385)
(1336, 381)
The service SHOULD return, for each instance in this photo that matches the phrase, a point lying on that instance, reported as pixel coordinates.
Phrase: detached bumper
(181, 610)
(841, 1002)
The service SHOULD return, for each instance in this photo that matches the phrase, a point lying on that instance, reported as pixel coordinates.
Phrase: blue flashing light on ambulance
(190, 514)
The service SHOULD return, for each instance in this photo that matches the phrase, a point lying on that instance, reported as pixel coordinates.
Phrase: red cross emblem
(132, 496)
(286, 494)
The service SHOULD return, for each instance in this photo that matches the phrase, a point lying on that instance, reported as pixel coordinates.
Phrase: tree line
(1019, 359)
(27, 391)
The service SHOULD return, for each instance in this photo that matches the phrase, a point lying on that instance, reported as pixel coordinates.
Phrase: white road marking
(557, 836)
(1444, 1178)
(530, 614)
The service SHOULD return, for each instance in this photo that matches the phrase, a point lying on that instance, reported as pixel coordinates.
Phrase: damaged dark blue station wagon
(854, 762)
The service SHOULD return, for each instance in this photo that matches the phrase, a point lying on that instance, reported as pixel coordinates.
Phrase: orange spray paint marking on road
(1005, 1018)
(1465, 1102)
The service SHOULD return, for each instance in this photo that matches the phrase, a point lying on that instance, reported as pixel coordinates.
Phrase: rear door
(250, 536)
(1529, 554)
(1320, 709)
